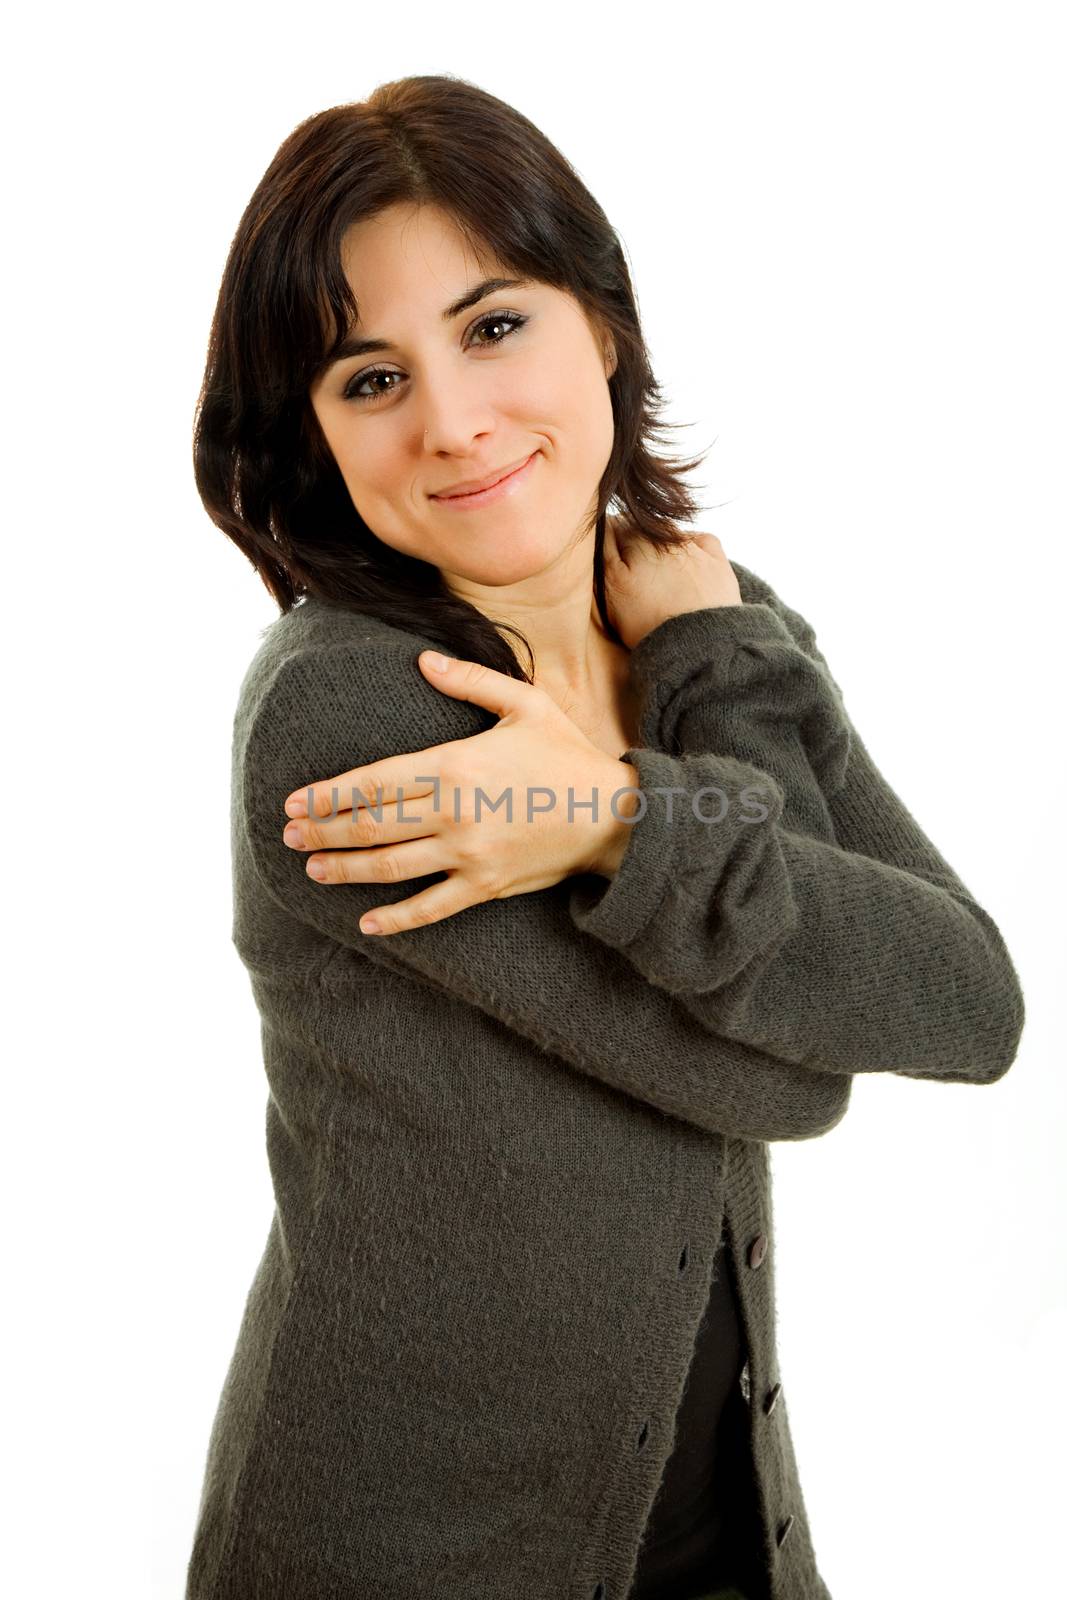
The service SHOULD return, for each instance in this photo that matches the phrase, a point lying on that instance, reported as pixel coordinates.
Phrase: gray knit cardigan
(502, 1145)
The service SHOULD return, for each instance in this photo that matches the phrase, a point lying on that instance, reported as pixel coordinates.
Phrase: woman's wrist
(623, 789)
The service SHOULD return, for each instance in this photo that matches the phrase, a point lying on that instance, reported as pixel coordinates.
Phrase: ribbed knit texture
(502, 1144)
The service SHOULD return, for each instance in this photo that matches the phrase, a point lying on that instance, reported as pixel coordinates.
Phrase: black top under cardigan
(703, 1530)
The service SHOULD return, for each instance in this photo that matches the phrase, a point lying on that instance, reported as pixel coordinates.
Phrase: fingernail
(368, 925)
(292, 835)
(296, 806)
(436, 662)
(316, 869)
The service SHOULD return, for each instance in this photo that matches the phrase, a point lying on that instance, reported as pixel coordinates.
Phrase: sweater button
(757, 1250)
(783, 1530)
(771, 1399)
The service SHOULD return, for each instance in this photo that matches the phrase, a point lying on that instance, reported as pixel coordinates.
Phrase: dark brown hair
(263, 469)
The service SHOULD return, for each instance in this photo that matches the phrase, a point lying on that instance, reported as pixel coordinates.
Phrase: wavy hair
(263, 469)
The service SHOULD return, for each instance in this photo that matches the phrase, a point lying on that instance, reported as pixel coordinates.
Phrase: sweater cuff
(619, 910)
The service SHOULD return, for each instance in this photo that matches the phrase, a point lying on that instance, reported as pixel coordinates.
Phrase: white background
(844, 224)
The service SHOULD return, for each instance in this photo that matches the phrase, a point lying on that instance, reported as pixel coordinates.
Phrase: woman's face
(466, 395)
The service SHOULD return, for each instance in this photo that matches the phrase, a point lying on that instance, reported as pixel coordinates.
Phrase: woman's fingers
(434, 904)
(396, 864)
(387, 863)
(331, 798)
(363, 828)
(614, 541)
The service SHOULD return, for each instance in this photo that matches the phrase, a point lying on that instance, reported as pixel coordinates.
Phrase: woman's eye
(512, 320)
(496, 319)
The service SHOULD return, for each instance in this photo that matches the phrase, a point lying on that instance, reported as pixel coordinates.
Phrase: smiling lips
(478, 485)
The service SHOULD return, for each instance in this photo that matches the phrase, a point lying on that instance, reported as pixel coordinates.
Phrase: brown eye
(511, 320)
(496, 319)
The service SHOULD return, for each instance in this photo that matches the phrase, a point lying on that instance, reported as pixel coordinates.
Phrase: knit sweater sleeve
(326, 709)
(856, 951)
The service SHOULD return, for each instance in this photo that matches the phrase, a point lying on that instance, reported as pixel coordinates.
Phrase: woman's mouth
(483, 497)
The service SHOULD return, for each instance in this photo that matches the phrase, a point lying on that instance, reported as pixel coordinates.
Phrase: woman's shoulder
(315, 628)
(756, 590)
(314, 625)
(325, 662)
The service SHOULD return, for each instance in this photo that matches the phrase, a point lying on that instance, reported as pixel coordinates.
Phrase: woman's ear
(606, 340)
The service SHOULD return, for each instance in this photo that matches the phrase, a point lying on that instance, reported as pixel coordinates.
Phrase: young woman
(643, 903)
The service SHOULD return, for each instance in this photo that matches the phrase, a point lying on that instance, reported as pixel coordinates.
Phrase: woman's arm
(857, 951)
(329, 707)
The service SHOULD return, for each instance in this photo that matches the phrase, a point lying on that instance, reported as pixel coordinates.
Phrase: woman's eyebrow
(352, 345)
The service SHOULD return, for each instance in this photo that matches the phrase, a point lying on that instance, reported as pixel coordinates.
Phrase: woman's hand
(426, 814)
(646, 585)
